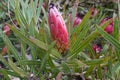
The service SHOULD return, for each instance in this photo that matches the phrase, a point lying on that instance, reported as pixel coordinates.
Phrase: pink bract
(109, 29)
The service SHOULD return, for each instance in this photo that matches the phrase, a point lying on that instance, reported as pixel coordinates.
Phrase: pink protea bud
(4, 50)
(97, 48)
(109, 29)
(58, 29)
(94, 12)
(6, 30)
(77, 19)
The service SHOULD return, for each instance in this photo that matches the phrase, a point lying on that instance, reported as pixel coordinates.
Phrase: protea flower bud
(58, 29)
(97, 48)
(109, 29)
(77, 19)
(4, 50)
(94, 12)
(6, 30)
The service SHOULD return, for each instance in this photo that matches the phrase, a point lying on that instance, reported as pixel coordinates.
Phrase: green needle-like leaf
(16, 69)
(109, 38)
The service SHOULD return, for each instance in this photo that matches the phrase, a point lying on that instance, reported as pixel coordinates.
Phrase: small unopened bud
(97, 48)
(109, 28)
(77, 19)
(4, 50)
(6, 30)
(94, 12)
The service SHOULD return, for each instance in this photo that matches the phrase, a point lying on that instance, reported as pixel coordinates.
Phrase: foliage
(30, 49)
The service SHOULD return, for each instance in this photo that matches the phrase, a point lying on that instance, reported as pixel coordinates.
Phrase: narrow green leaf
(109, 38)
(11, 73)
(31, 41)
(5, 74)
(105, 49)
(10, 45)
(65, 68)
(46, 57)
(99, 72)
(84, 21)
(83, 44)
(110, 67)
(80, 37)
(23, 51)
(16, 69)
(76, 63)
(44, 61)
(30, 62)
(50, 62)
(89, 70)
(97, 61)
(91, 51)
(18, 14)
(39, 9)
(116, 72)
(116, 36)
(85, 56)
(116, 29)
(34, 42)
(4, 61)
(115, 67)
(77, 30)
(87, 40)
